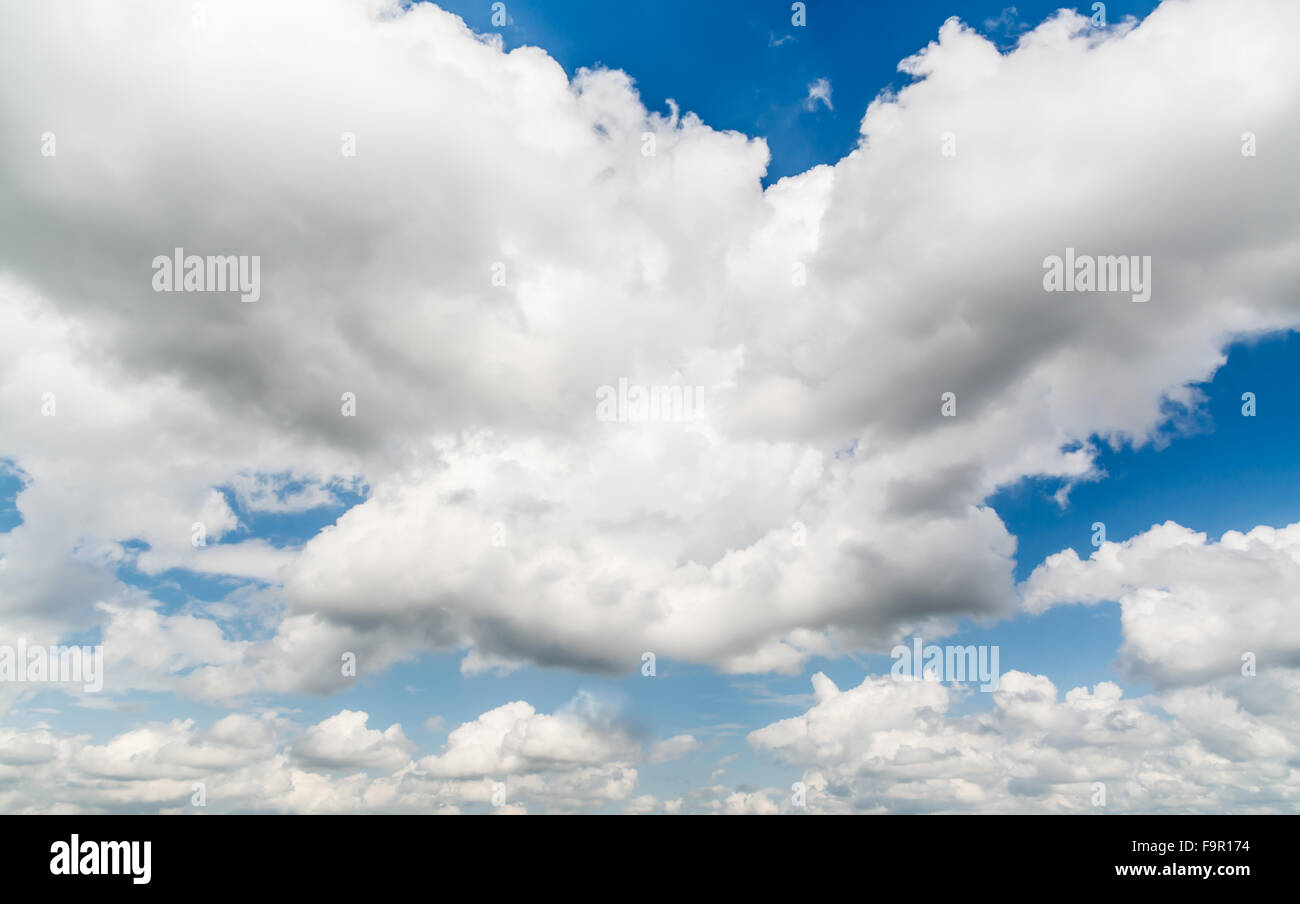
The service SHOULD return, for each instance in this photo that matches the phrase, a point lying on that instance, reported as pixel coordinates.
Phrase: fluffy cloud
(343, 740)
(1192, 609)
(896, 746)
(509, 759)
(501, 246)
(514, 738)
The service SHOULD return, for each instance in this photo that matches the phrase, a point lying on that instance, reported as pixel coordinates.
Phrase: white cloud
(514, 738)
(674, 748)
(896, 746)
(739, 803)
(1191, 608)
(819, 91)
(561, 762)
(476, 401)
(343, 740)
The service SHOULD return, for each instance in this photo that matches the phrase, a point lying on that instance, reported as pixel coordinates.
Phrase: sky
(747, 67)
(472, 225)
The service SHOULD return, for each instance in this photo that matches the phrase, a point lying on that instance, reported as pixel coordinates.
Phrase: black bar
(649, 857)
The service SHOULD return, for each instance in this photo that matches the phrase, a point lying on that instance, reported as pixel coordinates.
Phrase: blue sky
(742, 65)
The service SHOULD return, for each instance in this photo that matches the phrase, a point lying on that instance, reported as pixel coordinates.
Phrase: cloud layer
(505, 241)
(824, 317)
(897, 746)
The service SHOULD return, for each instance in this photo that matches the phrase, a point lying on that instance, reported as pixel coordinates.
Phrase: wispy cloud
(818, 92)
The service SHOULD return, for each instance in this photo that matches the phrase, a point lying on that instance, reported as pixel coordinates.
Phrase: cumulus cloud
(1192, 609)
(896, 746)
(740, 803)
(515, 738)
(343, 740)
(510, 759)
(500, 247)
